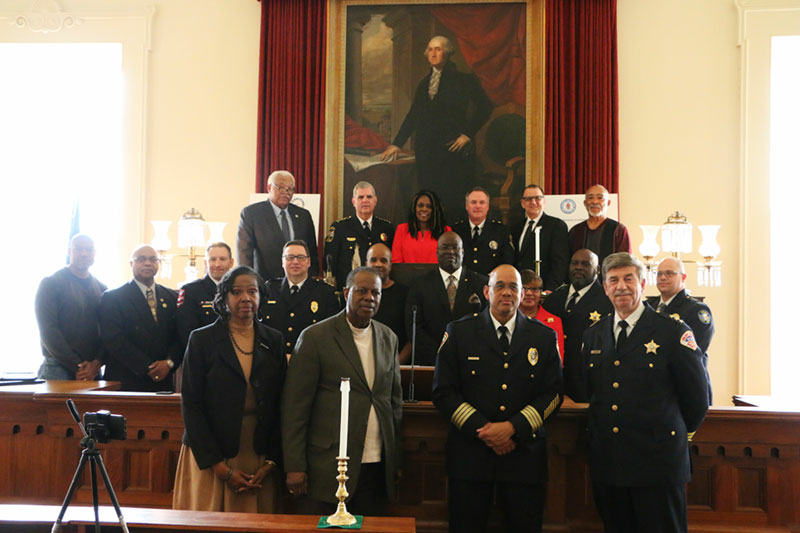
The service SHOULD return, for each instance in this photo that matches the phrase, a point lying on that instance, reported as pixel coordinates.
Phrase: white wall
(679, 141)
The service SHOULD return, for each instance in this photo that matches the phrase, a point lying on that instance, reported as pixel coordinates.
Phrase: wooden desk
(34, 518)
(746, 461)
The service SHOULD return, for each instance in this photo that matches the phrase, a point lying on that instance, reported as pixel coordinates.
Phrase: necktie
(285, 226)
(151, 302)
(572, 301)
(476, 232)
(662, 308)
(526, 234)
(366, 226)
(451, 290)
(503, 331)
(294, 290)
(623, 334)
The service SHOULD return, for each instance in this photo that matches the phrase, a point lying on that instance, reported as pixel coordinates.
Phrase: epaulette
(562, 285)
(345, 218)
(462, 221)
(384, 220)
(498, 222)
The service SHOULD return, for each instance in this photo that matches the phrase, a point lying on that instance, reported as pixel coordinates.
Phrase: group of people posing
(260, 349)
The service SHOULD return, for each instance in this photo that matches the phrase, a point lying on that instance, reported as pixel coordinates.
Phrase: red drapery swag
(291, 92)
(491, 37)
(581, 117)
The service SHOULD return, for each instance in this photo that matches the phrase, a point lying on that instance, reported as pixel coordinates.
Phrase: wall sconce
(676, 238)
(191, 235)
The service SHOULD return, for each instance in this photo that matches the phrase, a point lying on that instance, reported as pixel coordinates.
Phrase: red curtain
(582, 130)
(491, 37)
(291, 92)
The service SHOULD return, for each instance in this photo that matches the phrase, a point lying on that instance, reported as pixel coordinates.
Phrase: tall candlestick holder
(342, 517)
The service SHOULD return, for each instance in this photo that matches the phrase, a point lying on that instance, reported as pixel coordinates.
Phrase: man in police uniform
(487, 243)
(675, 302)
(648, 395)
(297, 300)
(349, 238)
(497, 379)
(579, 305)
(196, 298)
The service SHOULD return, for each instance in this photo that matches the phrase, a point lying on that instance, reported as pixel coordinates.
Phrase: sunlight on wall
(785, 187)
(60, 142)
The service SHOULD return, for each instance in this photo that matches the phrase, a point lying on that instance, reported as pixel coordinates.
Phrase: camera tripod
(91, 455)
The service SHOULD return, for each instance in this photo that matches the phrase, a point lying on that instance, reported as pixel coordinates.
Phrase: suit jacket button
(502, 407)
(615, 385)
(615, 429)
(291, 314)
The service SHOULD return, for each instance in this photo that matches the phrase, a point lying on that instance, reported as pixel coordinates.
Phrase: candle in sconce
(343, 420)
(536, 232)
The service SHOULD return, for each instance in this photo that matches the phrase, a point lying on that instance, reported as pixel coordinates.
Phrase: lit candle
(536, 231)
(345, 388)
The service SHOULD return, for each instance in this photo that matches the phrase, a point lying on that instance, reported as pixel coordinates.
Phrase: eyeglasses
(537, 198)
(290, 258)
(666, 273)
(146, 259)
(284, 190)
(500, 286)
(531, 289)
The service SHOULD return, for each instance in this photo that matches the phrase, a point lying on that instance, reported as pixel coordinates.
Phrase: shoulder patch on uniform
(687, 339)
(181, 296)
(704, 316)
(444, 340)
(384, 220)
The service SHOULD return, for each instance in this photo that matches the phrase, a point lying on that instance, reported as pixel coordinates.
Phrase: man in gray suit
(349, 344)
(266, 226)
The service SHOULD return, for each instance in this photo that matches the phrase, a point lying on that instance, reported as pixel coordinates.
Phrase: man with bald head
(265, 227)
(448, 110)
(139, 330)
(600, 234)
(443, 295)
(66, 311)
(393, 298)
(579, 305)
(676, 302)
(497, 380)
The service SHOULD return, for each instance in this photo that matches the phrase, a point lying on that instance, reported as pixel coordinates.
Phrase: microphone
(411, 398)
(329, 278)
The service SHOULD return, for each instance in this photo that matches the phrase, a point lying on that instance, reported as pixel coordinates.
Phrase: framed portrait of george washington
(444, 96)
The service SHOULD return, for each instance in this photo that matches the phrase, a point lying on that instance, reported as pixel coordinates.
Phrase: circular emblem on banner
(568, 206)
(299, 202)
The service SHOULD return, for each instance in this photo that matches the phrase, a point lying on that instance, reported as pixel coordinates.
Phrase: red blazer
(553, 322)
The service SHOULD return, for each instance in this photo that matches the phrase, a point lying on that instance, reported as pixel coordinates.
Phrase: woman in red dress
(415, 240)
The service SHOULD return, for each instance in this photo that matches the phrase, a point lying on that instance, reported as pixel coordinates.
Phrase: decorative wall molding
(46, 16)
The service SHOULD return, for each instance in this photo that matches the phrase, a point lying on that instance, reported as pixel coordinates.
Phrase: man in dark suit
(196, 298)
(138, 328)
(448, 109)
(296, 300)
(354, 235)
(487, 243)
(648, 395)
(443, 295)
(676, 302)
(496, 440)
(349, 344)
(266, 226)
(579, 305)
(553, 246)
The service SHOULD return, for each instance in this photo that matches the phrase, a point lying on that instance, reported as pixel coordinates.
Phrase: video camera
(104, 426)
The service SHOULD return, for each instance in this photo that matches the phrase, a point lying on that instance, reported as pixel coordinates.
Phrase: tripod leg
(70, 492)
(95, 500)
(111, 493)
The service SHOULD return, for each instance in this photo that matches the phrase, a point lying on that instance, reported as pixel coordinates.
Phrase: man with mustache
(580, 304)
(648, 394)
(349, 344)
(443, 295)
(139, 329)
(598, 233)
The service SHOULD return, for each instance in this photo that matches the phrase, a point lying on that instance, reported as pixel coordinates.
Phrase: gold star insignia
(594, 316)
(652, 347)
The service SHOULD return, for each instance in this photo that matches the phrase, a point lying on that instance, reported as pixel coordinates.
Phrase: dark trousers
(369, 497)
(642, 509)
(470, 502)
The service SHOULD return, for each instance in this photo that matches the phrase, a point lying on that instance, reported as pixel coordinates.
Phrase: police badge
(533, 356)
(314, 306)
(384, 237)
(493, 245)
